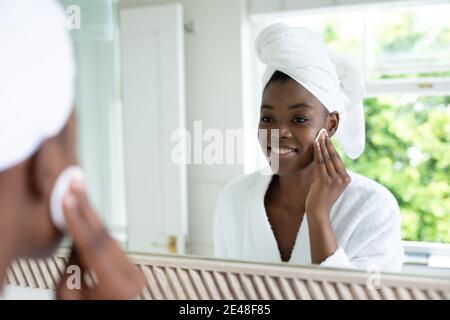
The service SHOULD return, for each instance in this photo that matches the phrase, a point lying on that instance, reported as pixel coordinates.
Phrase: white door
(153, 107)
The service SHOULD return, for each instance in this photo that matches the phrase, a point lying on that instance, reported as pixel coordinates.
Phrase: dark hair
(278, 76)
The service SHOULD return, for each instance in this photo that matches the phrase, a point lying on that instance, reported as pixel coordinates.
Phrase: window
(407, 139)
(404, 52)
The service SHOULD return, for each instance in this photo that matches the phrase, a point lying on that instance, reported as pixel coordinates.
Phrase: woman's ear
(332, 123)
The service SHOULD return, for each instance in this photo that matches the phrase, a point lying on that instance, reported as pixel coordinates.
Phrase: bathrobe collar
(261, 233)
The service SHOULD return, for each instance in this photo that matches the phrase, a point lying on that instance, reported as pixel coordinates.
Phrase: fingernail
(70, 201)
(79, 184)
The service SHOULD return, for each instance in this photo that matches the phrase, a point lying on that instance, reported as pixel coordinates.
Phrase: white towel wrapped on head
(331, 78)
(36, 76)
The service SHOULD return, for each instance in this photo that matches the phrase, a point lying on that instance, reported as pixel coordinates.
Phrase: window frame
(259, 8)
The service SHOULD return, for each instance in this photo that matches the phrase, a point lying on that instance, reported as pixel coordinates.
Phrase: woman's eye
(267, 119)
(299, 119)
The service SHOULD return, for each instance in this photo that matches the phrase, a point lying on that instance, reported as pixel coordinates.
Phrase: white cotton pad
(320, 132)
(60, 189)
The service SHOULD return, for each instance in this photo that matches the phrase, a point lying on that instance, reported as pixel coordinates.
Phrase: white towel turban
(333, 80)
(36, 76)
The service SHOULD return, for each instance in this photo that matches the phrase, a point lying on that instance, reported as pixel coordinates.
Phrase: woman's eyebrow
(293, 107)
(300, 105)
(266, 106)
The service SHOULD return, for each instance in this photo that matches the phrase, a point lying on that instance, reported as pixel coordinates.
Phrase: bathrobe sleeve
(220, 246)
(374, 241)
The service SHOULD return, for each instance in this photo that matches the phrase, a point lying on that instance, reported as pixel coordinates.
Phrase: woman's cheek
(312, 134)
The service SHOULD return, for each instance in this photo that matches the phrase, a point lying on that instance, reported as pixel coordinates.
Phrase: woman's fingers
(67, 288)
(76, 225)
(115, 275)
(90, 239)
(318, 160)
(328, 160)
(88, 213)
(335, 158)
(326, 157)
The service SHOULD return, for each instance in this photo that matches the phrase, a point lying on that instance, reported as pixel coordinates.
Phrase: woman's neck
(291, 190)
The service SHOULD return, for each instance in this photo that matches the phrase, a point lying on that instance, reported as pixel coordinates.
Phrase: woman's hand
(330, 178)
(330, 181)
(94, 252)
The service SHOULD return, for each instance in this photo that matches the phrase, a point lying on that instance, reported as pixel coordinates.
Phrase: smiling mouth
(282, 151)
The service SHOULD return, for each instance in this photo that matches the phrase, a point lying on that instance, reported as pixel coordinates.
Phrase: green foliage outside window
(407, 151)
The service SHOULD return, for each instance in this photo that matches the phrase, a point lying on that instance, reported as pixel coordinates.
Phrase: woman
(311, 209)
(38, 144)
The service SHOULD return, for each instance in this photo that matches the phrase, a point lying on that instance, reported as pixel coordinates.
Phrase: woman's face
(290, 120)
(55, 155)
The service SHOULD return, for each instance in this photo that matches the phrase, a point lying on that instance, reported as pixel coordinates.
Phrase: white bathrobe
(366, 221)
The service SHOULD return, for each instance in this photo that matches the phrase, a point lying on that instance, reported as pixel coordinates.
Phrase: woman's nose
(285, 132)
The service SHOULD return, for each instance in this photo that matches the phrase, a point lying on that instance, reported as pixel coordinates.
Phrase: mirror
(169, 104)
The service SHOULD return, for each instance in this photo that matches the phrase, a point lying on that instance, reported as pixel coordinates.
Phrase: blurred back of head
(36, 78)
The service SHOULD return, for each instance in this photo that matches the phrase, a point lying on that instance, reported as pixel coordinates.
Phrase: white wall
(214, 95)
